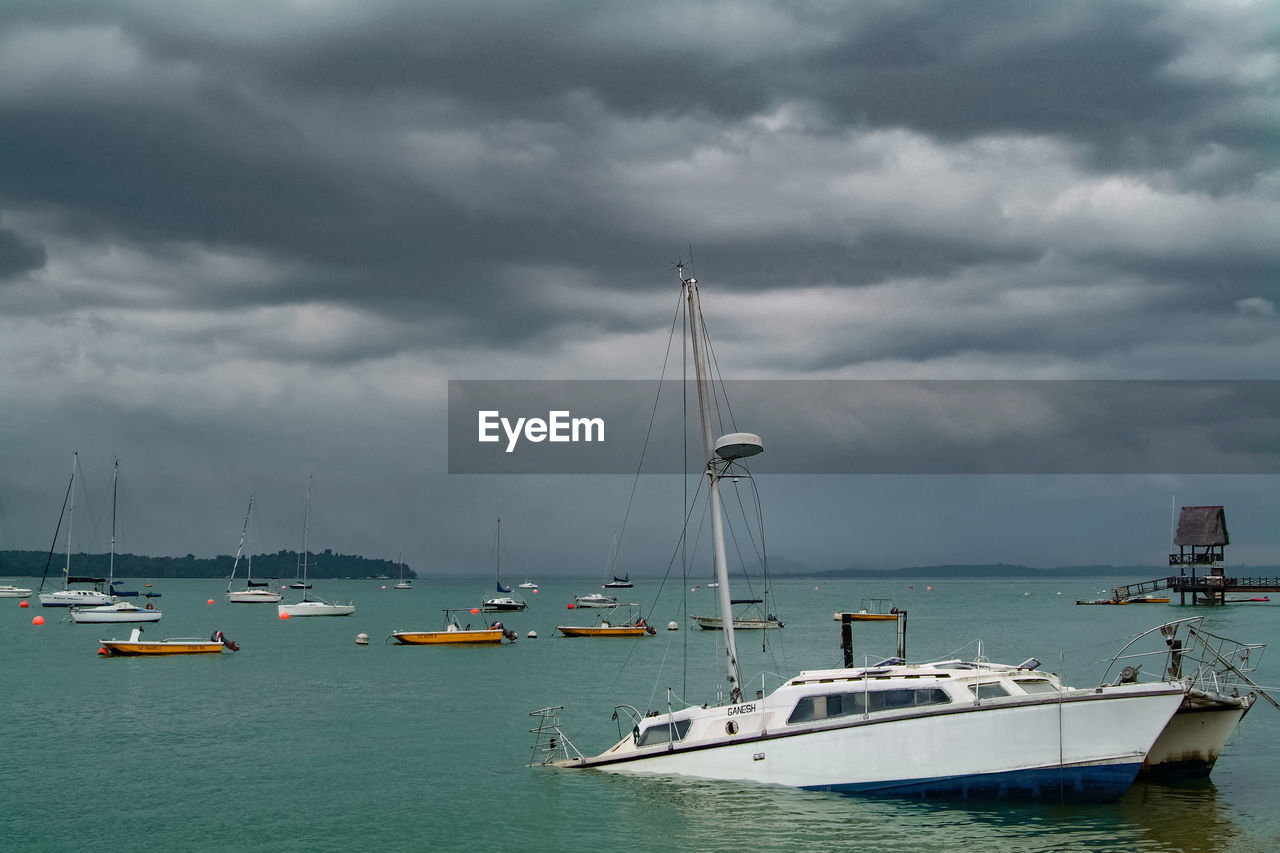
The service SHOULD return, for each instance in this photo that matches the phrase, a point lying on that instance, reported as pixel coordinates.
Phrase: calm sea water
(306, 740)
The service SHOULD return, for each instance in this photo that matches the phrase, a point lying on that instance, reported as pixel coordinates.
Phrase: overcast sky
(246, 242)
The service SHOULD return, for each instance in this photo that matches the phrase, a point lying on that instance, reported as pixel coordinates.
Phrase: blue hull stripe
(1100, 783)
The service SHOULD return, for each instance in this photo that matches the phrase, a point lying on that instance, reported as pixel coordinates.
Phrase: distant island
(282, 564)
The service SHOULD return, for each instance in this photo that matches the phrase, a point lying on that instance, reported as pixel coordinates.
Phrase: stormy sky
(246, 242)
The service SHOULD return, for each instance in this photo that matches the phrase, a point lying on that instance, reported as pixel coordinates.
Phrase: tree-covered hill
(282, 564)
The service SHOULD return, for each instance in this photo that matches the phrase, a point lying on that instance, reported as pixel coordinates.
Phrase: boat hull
(449, 638)
(316, 608)
(254, 596)
(128, 648)
(602, 630)
(73, 597)
(1190, 745)
(7, 591)
(713, 623)
(113, 613)
(1085, 746)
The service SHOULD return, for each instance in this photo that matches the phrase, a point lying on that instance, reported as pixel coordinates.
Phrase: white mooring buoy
(362, 639)
(533, 635)
(672, 626)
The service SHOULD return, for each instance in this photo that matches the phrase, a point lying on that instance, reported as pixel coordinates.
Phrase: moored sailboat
(502, 602)
(951, 728)
(254, 592)
(69, 595)
(115, 610)
(310, 605)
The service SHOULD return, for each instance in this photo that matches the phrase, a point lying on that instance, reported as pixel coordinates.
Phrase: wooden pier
(1201, 539)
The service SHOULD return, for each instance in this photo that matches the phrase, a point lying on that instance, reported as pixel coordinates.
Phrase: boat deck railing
(549, 742)
(1189, 654)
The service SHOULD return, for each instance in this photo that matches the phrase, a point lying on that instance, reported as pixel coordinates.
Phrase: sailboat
(951, 728)
(68, 595)
(402, 584)
(503, 601)
(116, 610)
(254, 592)
(310, 606)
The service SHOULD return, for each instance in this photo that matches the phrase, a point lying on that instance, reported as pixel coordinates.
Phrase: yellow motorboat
(135, 646)
(454, 634)
(633, 626)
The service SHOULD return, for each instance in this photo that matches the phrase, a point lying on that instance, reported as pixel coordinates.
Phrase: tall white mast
(709, 453)
(111, 565)
(71, 514)
(244, 531)
(306, 521)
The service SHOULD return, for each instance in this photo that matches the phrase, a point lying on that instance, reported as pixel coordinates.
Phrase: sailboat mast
(717, 525)
(306, 521)
(71, 514)
(240, 550)
(111, 564)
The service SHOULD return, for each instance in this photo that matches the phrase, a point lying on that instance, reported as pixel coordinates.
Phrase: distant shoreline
(328, 565)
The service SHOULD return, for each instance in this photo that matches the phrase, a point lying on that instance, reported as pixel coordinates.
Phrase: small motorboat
(595, 599)
(11, 591)
(454, 634)
(631, 626)
(135, 646)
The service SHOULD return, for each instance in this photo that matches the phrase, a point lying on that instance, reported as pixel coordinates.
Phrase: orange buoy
(284, 615)
(102, 651)
(211, 601)
(570, 606)
(475, 610)
(39, 620)
(24, 604)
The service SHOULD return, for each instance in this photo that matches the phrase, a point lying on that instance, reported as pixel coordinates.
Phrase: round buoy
(384, 586)
(102, 651)
(672, 626)
(363, 639)
(211, 601)
(535, 592)
(569, 606)
(24, 604)
(532, 635)
(39, 620)
(284, 615)
(928, 589)
(475, 610)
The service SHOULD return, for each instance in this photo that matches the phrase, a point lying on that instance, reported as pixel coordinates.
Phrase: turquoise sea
(304, 740)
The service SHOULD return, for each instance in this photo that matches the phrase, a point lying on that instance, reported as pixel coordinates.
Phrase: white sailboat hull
(119, 612)
(70, 597)
(1190, 745)
(254, 596)
(316, 608)
(1083, 744)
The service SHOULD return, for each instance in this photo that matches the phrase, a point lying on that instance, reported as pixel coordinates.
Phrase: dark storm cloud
(18, 254)
(275, 229)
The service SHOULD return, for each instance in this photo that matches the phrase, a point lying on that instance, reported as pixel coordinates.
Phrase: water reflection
(723, 816)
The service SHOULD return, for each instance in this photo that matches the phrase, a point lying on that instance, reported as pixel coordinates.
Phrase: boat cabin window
(828, 705)
(661, 733)
(988, 690)
(1036, 685)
